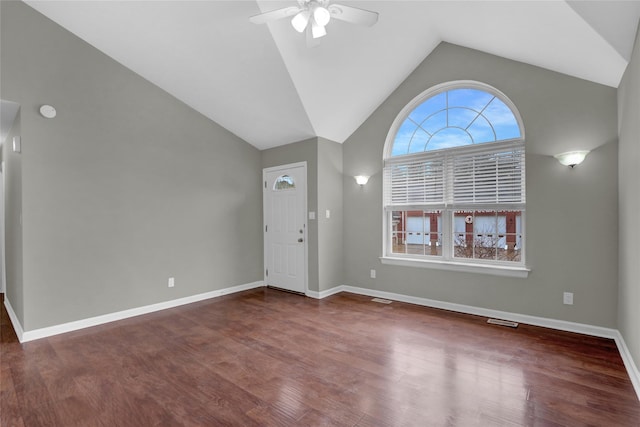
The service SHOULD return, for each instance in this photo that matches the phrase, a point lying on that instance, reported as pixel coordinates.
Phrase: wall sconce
(48, 111)
(571, 158)
(361, 179)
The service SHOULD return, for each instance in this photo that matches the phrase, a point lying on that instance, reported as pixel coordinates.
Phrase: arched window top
(454, 114)
(284, 182)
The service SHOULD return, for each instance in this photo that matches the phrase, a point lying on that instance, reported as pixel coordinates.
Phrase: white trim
(325, 293)
(285, 167)
(3, 276)
(561, 325)
(629, 363)
(495, 270)
(125, 314)
(17, 326)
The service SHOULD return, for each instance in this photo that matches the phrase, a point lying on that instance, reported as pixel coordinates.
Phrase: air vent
(503, 323)
(382, 301)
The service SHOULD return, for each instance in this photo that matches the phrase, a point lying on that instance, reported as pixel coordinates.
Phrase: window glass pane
(416, 232)
(433, 237)
(463, 234)
(461, 117)
(472, 98)
(502, 119)
(414, 227)
(419, 141)
(284, 182)
(428, 107)
(481, 131)
(487, 235)
(449, 138)
(510, 246)
(403, 138)
(435, 122)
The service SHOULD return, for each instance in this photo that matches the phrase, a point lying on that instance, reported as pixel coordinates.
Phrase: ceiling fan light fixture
(321, 15)
(301, 20)
(317, 30)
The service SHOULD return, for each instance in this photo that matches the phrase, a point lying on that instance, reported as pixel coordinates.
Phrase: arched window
(454, 178)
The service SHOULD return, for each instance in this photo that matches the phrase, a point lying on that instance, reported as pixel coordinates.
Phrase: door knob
(300, 240)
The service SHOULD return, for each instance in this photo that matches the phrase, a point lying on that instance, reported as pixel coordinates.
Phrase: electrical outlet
(567, 298)
(373, 274)
(172, 282)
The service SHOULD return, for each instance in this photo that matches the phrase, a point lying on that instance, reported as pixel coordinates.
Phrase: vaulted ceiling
(263, 84)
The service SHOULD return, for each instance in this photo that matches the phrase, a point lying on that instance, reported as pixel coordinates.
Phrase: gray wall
(629, 198)
(330, 244)
(571, 215)
(13, 229)
(125, 188)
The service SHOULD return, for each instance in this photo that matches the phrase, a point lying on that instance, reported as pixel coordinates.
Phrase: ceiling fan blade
(274, 15)
(353, 15)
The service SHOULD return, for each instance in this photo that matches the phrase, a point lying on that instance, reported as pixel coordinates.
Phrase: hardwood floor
(266, 357)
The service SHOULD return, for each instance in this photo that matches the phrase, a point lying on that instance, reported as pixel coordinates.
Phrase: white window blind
(487, 174)
(416, 182)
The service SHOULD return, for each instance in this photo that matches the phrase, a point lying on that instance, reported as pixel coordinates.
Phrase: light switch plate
(312, 215)
(17, 144)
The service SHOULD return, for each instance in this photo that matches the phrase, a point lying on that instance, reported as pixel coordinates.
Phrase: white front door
(285, 227)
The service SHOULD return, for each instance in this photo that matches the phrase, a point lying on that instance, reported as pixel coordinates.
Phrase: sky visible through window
(455, 118)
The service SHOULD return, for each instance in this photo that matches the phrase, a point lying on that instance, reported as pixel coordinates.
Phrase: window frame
(447, 260)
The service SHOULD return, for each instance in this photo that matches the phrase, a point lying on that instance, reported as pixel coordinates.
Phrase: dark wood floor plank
(270, 358)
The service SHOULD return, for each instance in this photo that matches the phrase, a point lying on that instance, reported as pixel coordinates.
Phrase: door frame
(3, 263)
(265, 240)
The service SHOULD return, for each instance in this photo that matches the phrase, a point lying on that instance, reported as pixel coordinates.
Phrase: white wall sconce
(571, 158)
(48, 111)
(361, 179)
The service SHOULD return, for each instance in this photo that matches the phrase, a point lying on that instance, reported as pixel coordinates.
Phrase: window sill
(495, 270)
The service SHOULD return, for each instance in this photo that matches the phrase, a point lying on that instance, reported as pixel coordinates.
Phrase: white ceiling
(263, 84)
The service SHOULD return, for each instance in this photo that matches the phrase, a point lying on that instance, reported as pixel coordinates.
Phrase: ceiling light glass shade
(571, 158)
(321, 16)
(317, 31)
(301, 20)
(361, 179)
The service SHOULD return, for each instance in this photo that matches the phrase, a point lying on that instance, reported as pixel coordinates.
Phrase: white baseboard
(629, 363)
(485, 312)
(35, 334)
(14, 319)
(324, 294)
(562, 325)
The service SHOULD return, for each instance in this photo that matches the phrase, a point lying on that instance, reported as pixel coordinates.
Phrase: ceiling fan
(314, 15)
